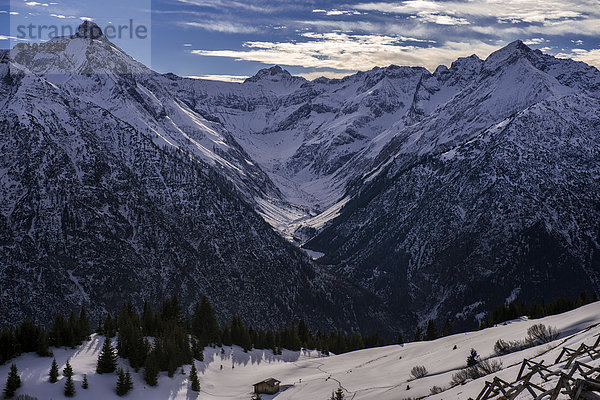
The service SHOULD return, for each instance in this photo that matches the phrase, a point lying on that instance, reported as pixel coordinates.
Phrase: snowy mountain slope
(378, 373)
(96, 209)
(97, 71)
(494, 192)
(403, 178)
(310, 137)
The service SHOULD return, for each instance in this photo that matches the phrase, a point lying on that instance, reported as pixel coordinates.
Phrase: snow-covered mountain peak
(510, 53)
(276, 79)
(85, 53)
(471, 63)
(273, 74)
(89, 30)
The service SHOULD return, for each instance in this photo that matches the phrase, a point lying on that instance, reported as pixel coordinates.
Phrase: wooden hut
(268, 386)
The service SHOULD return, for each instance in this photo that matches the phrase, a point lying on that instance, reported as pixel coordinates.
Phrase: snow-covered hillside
(372, 374)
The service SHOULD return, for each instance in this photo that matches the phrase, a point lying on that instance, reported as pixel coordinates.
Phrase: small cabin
(268, 386)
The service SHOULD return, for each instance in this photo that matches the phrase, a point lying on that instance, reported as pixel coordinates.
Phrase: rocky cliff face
(494, 195)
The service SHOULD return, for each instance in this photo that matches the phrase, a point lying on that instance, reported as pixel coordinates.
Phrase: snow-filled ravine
(380, 373)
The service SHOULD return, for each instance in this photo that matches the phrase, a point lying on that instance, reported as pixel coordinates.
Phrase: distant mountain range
(423, 195)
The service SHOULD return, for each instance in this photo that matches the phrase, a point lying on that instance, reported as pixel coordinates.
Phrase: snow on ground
(380, 373)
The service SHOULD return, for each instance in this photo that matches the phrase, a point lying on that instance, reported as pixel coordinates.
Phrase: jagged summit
(510, 52)
(89, 30)
(274, 74)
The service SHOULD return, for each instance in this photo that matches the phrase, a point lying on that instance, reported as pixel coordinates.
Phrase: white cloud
(440, 19)
(591, 57)
(512, 11)
(345, 52)
(534, 41)
(232, 4)
(3, 37)
(62, 16)
(222, 26)
(336, 12)
(9, 12)
(35, 3)
(223, 78)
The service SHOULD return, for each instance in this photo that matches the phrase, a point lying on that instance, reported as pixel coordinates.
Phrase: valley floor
(380, 373)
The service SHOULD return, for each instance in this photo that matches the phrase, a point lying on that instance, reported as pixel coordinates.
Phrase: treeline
(503, 313)
(33, 337)
(179, 338)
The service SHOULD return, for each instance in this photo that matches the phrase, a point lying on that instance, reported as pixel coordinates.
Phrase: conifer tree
(194, 378)
(42, 343)
(84, 325)
(53, 372)
(128, 381)
(204, 323)
(107, 360)
(431, 332)
(69, 387)
(447, 330)
(110, 326)
(151, 369)
(99, 327)
(12, 383)
(197, 350)
(85, 383)
(68, 370)
(400, 339)
(473, 358)
(418, 334)
(121, 383)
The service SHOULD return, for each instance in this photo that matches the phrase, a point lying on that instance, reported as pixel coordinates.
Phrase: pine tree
(418, 334)
(69, 387)
(53, 372)
(151, 369)
(400, 339)
(99, 327)
(128, 381)
(473, 358)
(122, 388)
(107, 360)
(447, 330)
(85, 383)
(68, 370)
(194, 378)
(84, 325)
(12, 383)
(197, 350)
(431, 332)
(42, 343)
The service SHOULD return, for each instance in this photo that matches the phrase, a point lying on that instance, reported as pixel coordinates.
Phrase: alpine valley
(373, 202)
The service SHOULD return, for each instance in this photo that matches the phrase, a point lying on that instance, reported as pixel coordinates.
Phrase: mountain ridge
(386, 173)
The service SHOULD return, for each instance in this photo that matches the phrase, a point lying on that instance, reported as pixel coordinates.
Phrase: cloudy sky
(231, 39)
